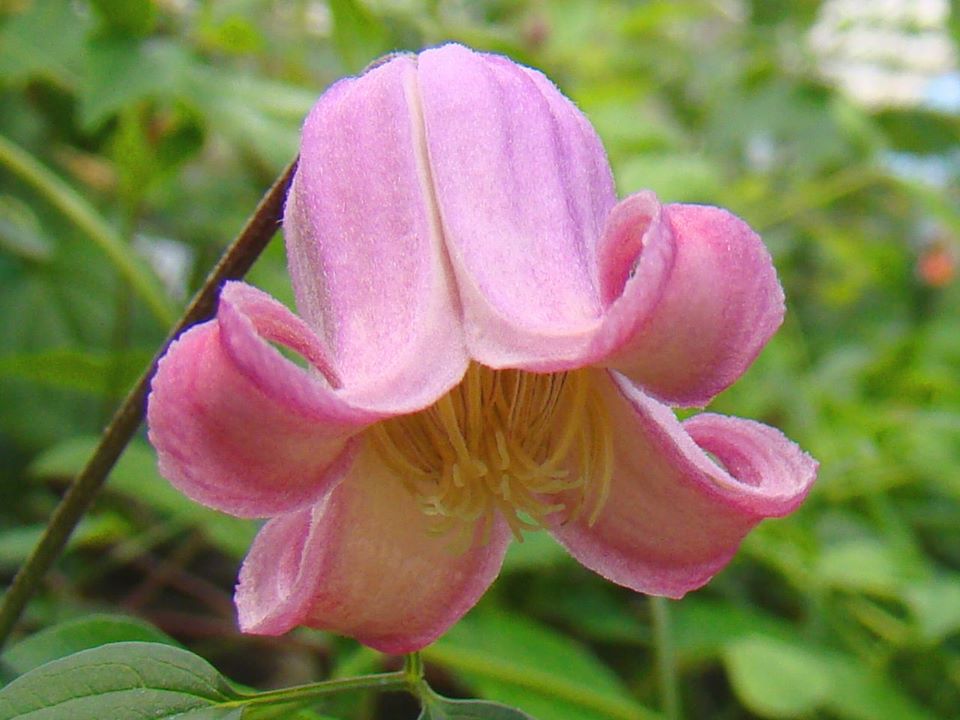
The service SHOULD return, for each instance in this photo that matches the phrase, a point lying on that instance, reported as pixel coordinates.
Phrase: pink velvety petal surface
(718, 306)
(364, 243)
(675, 517)
(523, 188)
(240, 428)
(362, 563)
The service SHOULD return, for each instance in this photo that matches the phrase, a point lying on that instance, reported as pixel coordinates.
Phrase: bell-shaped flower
(491, 343)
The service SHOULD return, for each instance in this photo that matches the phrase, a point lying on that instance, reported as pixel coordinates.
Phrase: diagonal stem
(234, 264)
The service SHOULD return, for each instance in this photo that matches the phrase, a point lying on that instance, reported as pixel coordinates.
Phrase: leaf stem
(382, 681)
(234, 263)
(666, 658)
(85, 217)
(410, 679)
(413, 668)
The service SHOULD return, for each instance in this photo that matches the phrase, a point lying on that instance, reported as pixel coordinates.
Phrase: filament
(530, 447)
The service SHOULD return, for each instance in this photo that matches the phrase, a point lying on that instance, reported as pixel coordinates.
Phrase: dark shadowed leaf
(439, 708)
(74, 636)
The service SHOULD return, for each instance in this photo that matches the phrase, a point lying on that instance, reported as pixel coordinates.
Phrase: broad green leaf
(782, 679)
(121, 680)
(776, 680)
(135, 476)
(860, 693)
(673, 177)
(75, 635)
(861, 564)
(592, 609)
(440, 708)
(95, 373)
(522, 664)
(935, 606)
(702, 628)
(30, 47)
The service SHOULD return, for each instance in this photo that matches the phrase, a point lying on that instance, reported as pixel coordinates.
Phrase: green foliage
(74, 636)
(127, 123)
(126, 679)
(514, 661)
(444, 709)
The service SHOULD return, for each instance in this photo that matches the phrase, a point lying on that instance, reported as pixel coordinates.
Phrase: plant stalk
(382, 681)
(666, 658)
(234, 264)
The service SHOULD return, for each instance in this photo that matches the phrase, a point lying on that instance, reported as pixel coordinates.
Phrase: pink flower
(492, 343)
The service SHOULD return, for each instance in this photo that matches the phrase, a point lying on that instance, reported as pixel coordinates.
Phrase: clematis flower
(490, 344)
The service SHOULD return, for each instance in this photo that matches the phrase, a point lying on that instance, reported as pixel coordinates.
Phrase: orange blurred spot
(937, 265)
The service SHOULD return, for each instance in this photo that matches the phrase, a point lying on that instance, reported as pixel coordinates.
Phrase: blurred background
(135, 138)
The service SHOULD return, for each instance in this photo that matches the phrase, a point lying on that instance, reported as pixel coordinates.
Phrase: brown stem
(234, 263)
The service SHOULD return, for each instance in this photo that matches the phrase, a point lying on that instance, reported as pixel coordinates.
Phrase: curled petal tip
(674, 516)
(703, 310)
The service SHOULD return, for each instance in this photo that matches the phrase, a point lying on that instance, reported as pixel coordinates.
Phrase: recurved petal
(240, 428)
(363, 563)
(717, 306)
(364, 244)
(674, 516)
(523, 188)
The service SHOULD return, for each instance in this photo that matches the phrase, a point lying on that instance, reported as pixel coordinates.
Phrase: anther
(534, 448)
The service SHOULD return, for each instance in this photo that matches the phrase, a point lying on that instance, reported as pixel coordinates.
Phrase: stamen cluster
(525, 445)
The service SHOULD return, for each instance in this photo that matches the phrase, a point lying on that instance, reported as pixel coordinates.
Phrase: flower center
(523, 444)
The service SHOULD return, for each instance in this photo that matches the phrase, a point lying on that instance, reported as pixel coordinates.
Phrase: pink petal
(523, 188)
(674, 516)
(362, 563)
(719, 304)
(242, 429)
(364, 243)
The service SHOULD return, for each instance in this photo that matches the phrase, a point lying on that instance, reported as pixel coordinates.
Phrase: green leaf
(673, 177)
(523, 664)
(125, 17)
(18, 542)
(75, 207)
(440, 708)
(135, 476)
(76, 635)
(20, 232)
(253, 114)
(537, 551)
(935, 606)
(782, 679)
(861, 564)
(357, 34)
(123, 70)
(98, 374)
(775, 679)
(121, 680)
(702, 628)
(46, 39)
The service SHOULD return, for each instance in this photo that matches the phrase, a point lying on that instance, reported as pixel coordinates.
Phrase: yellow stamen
(524, 445)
